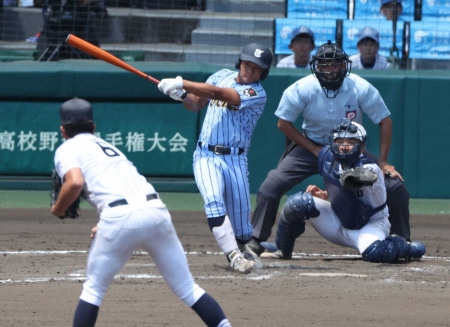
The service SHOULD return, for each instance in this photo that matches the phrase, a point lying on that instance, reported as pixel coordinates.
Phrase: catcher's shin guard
(298, 207)
(287, 233)
(392, 249)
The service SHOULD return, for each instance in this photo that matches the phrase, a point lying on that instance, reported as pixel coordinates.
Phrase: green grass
(192, 202)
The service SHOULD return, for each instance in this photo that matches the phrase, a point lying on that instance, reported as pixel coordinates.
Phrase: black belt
(220, 149)
(123, 202)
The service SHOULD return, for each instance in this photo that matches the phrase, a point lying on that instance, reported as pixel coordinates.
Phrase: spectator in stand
(388, 8)
(368, 45)
(302, 43)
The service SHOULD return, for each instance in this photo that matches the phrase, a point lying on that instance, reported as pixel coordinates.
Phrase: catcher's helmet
(330, 54)
(258, 54)
(350, 130)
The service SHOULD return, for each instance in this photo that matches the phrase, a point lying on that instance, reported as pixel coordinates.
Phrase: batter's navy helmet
(258, 54)
(330, 54)
(350, 130)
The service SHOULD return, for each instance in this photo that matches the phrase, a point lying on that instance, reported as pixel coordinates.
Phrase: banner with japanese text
(158, 138)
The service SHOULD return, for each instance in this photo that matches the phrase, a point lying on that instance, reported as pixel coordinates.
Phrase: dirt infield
(43, 261)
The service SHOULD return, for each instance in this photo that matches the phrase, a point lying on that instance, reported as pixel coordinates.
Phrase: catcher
(352, 210)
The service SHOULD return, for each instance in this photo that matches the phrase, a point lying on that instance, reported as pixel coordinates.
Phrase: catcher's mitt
(354, 179)
(72, 210)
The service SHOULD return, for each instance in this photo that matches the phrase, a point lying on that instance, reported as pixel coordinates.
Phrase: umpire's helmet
(330, 54)
(350, 130)
(258, 54)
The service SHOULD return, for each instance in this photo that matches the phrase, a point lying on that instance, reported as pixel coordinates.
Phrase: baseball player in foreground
(323, 98)
(131, 216)
(351, 211)
(235, 103)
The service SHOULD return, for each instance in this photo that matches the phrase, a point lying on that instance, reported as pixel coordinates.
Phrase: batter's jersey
(320, 114)
(380, 62)
(230, 125)
(107, 173)
(289, 62)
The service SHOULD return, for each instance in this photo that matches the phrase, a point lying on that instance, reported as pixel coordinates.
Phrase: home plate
(332, 275)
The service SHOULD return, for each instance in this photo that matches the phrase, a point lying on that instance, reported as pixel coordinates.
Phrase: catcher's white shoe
(239, 263)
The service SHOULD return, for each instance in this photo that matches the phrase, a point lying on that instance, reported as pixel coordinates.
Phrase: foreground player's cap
(75, 110)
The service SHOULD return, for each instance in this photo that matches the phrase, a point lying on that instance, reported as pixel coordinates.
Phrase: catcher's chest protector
(352, 213)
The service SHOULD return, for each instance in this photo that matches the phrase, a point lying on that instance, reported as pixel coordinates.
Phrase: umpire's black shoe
(255, 247)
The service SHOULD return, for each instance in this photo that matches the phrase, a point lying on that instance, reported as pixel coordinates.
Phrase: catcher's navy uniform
(358, 220)
(350, 215)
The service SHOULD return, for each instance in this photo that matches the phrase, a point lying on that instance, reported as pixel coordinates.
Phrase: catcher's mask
(258, 54)
(347, 155)
(330, 55)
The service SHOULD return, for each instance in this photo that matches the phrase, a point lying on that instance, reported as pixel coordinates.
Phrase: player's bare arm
(385, 144)
(70, 191)
(201, 93)
(294, 134)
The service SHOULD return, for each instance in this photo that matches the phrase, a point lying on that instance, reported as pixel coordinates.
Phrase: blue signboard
(370, 9)
(384, 27)
(336, 9)
(436, 10)
(430, 40)
(324, 30)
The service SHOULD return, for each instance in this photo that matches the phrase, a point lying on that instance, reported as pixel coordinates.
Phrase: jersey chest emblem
(350, 114)
(250, 92)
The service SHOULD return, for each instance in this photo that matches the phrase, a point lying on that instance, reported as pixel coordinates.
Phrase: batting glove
(169, 84)
(178, 94)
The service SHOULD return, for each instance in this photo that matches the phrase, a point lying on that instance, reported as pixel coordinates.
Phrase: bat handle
(152, 79)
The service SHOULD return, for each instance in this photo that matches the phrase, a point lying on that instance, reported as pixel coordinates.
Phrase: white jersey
(230, 125)
(320, 114)
(289, 62)
(108, 175)
(380, 62)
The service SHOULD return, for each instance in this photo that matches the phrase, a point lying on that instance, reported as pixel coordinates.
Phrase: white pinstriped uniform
(223, 179)
(109, 176)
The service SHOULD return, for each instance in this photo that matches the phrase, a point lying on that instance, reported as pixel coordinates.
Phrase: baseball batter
(355, 217)
(323, 98)
(131, 213)
(235, 103)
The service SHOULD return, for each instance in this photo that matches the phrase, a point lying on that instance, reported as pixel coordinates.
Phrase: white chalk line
(81, 275)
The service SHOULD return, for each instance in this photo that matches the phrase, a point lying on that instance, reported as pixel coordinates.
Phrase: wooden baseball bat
(96, 52)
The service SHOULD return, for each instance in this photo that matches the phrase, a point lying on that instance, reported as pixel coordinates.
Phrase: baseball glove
(72, 210)
(354, 179)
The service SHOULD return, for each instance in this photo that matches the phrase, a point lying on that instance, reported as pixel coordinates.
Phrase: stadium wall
(159, 135)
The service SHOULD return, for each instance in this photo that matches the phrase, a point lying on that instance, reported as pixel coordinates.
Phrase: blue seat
(316, 9)
(437, 10)
(370, 9)
(430, 40)
(324, 30)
